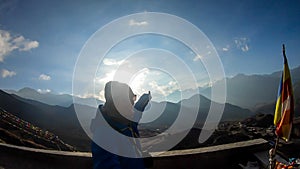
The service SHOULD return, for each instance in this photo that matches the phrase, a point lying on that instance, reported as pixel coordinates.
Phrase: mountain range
(57, 119)
(247, 95)
(246, 91)
(64, 100)
(63, 121)
(254, 91)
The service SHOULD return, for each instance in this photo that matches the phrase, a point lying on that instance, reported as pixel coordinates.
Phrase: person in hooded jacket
(115, 128)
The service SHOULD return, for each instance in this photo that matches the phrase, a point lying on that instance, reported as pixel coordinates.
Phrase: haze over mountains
(246, 91)
(251, 94)
(253, 91)
(63, 120)
(64, 100)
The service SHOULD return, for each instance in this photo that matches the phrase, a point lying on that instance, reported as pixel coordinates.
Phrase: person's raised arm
(141, 104)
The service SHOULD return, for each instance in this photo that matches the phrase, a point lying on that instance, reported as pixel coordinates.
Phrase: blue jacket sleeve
(142, 102)
(140, 105)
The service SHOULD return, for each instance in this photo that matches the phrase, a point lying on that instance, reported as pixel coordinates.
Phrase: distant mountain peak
(27, 90)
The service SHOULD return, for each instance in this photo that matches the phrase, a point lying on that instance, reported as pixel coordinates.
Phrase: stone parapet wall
(16, 157)
(221, 156)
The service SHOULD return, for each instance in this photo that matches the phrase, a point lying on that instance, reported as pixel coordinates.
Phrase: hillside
(167, 112)
(63, 121)
(16, 131)
(59, 120)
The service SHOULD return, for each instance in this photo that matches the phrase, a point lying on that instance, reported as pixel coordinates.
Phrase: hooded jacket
(111, 136)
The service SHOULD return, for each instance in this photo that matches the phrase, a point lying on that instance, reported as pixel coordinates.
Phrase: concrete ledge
(17, 157)
(221, 156)
(54, 152)
(211, 149)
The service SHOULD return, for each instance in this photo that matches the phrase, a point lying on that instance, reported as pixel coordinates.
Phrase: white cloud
(44, 77)
(136, 23)
(87, 95)
(5, 46)
(43, 91)
(242, 43)
(6, 73)
(245, 48)
(202, 56)
(197, 57)
(137, 82)
(91, 94)
(101, 95)
(165, 90)
(109, 76)
(112, 62)
(225, 49)
(29, 45)
(9, 43)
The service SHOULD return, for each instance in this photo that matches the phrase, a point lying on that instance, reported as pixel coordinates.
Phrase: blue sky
(40, 41)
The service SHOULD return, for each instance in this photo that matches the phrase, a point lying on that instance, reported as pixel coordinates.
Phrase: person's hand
(143, 101)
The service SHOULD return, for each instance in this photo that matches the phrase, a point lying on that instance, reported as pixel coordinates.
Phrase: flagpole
(277, 139)
(272, 152)
(283, 52)
(276, 145)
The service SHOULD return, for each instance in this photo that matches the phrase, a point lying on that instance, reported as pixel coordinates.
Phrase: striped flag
(284, 112)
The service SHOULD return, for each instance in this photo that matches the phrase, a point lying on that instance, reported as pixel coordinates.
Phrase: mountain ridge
(64, 121)
(60, 120)
(64, 100)
(250, 91)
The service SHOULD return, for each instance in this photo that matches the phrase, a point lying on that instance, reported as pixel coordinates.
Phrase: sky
(42, 43)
